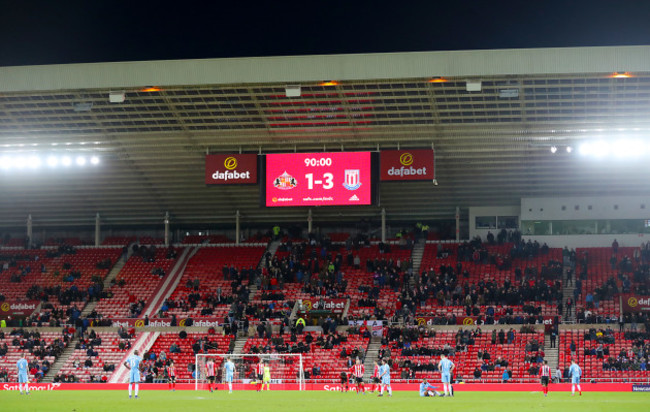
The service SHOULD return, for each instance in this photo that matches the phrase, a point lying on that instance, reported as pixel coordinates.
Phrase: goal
(286, 369)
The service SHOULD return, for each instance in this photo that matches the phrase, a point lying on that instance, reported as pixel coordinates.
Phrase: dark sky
(70, 31)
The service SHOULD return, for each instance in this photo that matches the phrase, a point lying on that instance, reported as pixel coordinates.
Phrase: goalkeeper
(427, 390)
(266, 378)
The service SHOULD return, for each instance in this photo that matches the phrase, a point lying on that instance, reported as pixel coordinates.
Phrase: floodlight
(34, 162)
(52, 161)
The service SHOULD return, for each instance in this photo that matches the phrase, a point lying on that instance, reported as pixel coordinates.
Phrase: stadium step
(552, 355)
(294, 312)
(271, 249)
(115, 270)
(416, 256)
(239, 344)
(252, 292)
(59, 363)
(372, 352)
(567, 292)
(346, 309)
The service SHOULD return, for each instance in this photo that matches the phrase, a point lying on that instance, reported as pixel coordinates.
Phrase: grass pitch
(312, 401)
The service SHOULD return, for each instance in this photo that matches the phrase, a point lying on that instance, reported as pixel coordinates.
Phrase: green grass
(312, 401)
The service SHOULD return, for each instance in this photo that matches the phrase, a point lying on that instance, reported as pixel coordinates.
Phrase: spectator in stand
(558, 375)
(505, 376)
(572, 347)
(477, 373)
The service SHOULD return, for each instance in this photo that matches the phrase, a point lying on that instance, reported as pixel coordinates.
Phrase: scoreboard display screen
(318, 179)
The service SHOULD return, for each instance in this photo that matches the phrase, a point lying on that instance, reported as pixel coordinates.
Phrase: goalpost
(286, 368)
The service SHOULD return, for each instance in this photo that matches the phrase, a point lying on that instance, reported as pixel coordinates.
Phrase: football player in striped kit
(545, 377)
(259, 371)
(210, 373)
(357, 370)
(171, 375)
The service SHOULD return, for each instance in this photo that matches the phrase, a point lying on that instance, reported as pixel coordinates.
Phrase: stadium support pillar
(457, 224)
(29, 231)
(97, 229)
(166, 228)
(237, 229)
(383, 225)
(309, 221)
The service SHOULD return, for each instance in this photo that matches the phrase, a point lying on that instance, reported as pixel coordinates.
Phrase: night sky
(68, 31)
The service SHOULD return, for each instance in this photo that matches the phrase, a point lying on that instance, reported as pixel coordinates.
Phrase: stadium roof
(492, 146)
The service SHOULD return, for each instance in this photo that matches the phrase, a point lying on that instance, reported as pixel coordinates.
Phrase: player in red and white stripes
(259, 371)
(210, 373)
(357, 370)
(546, 377)
(375, 377)
(171, 375)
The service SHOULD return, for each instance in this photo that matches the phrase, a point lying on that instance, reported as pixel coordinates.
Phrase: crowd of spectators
(633, 358)
(39, 349)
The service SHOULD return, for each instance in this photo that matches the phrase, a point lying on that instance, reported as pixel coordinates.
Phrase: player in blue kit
(384, 377)
(576, 373)
(229, 372)
(446, 368)
(23, 378)
(426, 389)
(133, 364)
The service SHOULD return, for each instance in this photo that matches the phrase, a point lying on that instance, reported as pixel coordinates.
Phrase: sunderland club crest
(352, 180)
(285, 181)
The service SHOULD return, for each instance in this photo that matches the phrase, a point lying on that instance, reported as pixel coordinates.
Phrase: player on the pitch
(259, 371)
(23, 374)
(345, 382)
(229, 373)
(427, 390)
(133, 363)
(545, 377)
(210, 373)
(446, 368)
(384, 375)
(576, 373)
(375, 377)
(266, 379)
(171, 375)
(357, 370)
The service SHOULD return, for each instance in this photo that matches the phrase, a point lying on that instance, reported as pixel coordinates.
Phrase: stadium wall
(576, 241)
(475, 211)
(468, 387)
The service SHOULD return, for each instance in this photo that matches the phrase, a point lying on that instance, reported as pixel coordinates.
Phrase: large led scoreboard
(319, 179)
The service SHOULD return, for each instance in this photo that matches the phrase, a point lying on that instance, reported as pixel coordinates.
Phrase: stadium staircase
(416, 258)
(294, 313)
(344, 315)
(167, 285)
(552, 355)
(372, 352)
(240, 342)
(142, 344)
(59, 363)
(567, 292)
(271, 249)
(107, 284)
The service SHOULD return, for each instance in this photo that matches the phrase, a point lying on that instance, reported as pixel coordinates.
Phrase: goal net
(285, 370)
